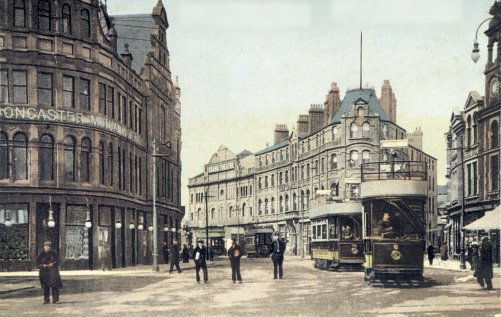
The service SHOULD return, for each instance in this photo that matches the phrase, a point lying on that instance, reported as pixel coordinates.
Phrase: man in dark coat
(165, 252)
(484, 274)
(48, 262)
(277, 256)
(186, 254)
(431, 253)
(199, 255)
(385, 227)
(235, 253)
(174, 257)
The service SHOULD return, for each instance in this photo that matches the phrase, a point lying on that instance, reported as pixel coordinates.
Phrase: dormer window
(360, 111)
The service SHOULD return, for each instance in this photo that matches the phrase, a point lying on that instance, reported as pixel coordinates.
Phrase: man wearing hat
(48, 262)
(199, 255)
(277, 256)
(484, 273)
(235, 253)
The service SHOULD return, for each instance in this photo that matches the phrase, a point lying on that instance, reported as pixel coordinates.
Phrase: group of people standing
(479, 257)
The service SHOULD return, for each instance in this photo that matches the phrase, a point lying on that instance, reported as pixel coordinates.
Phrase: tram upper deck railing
(401, 170)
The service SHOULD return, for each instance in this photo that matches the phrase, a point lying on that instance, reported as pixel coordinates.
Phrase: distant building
(320, 155)
(82, 97)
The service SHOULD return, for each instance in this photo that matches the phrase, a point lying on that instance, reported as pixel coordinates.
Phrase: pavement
(454, 265)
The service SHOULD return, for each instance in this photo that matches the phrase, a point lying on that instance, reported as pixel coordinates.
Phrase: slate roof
(274, 147)
(368, 95)
(134, 29)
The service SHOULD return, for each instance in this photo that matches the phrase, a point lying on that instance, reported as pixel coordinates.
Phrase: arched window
(366, 156)
(266, 182)
(243, 210)
(69, 159)
(102, 164)
(44, 15)
(354, 130)
(46, 157)
(475, 130)
(334, 133)
(494, 134)
(308, 170)
(199, 212)
(294, 201)
(333, 161)
(366, 129)
(266, 206)
(85, 23)
(272, 180)
(110, 164)
(360, 111)
(286, 202)
(259, 184)
(20, 156)
(353, 159)
(302, 200)
(19, 13)
(308, 199)
(86, 149)
(260, 207)
(66, 19)
(272, 205)
(212, 213)
(281, 202)
(230, 211)
(4, 156)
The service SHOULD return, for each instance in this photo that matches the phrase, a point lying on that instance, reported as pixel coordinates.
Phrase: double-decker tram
(257, 242)
(394, 197)
(336, 236)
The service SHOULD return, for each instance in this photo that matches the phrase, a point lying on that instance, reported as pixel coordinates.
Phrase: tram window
(314, 232)
(332, 231)
(324, 232)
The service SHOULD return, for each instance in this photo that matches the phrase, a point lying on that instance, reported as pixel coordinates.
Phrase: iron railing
(405, 170)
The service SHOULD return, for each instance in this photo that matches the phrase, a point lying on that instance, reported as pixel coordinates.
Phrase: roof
(344, 208)
(134, 29)
(244, 153)
(368, 95)
(490, 221)
(274, 147)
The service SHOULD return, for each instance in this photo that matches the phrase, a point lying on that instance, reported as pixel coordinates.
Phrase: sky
(246, 65)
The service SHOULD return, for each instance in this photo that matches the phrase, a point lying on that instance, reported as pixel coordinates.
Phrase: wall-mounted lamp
(8, 221)
(51, 223)
(131, 225)
(166, 228)
(88, 223)
(140, 226)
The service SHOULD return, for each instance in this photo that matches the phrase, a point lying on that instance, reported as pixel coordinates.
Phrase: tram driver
(346, 232)
(385, 227)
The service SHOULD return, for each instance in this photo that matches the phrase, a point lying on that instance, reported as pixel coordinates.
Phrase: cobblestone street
(304, 291)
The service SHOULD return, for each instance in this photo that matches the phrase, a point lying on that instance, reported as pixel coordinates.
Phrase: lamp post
(154, 198)
(206, 197)
(50, 222)
(475, 53)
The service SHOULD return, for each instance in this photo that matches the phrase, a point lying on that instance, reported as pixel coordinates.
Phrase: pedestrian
(484, 273)
(474, 256)
(174, 257)
(211, 255)
(444, 252)
(165, 252)
(199, 254)
(186, 254)
(190, 248)
(431, 253)
(235, 253)
(277, 256)
(469, 254)
(48, 263)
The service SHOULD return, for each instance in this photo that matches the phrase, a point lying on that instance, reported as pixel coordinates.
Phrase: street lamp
(131, 225)
(140, 225)
(88, 223)
(51, 223)
(118, 222)
(154, 198)
(8, 221)
(475, 53)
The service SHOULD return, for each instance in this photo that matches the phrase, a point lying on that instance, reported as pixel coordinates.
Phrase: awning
(344, 208)
(201, 235)
(490, 221)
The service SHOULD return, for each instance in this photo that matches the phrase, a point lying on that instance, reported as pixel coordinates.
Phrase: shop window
(20, 156)
(14, 235)
(84, 94)
(76, 234)
(46, 157)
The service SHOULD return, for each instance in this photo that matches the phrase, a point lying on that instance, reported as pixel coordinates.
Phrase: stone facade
(77, 120)
(287, 175)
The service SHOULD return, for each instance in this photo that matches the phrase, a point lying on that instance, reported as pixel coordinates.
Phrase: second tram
(336, 236)
(394, 197)
(257, 242)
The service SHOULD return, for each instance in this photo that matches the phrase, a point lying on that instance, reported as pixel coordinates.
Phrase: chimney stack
(302, 124)
(416, 138)
(388, 101)
(127, 56)
(281, 133)
(332, 104)
(316, 118)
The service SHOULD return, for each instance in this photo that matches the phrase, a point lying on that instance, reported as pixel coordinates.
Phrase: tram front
(394, 198)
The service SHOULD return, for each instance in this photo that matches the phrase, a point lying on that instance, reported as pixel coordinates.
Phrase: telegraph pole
(206, 197)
